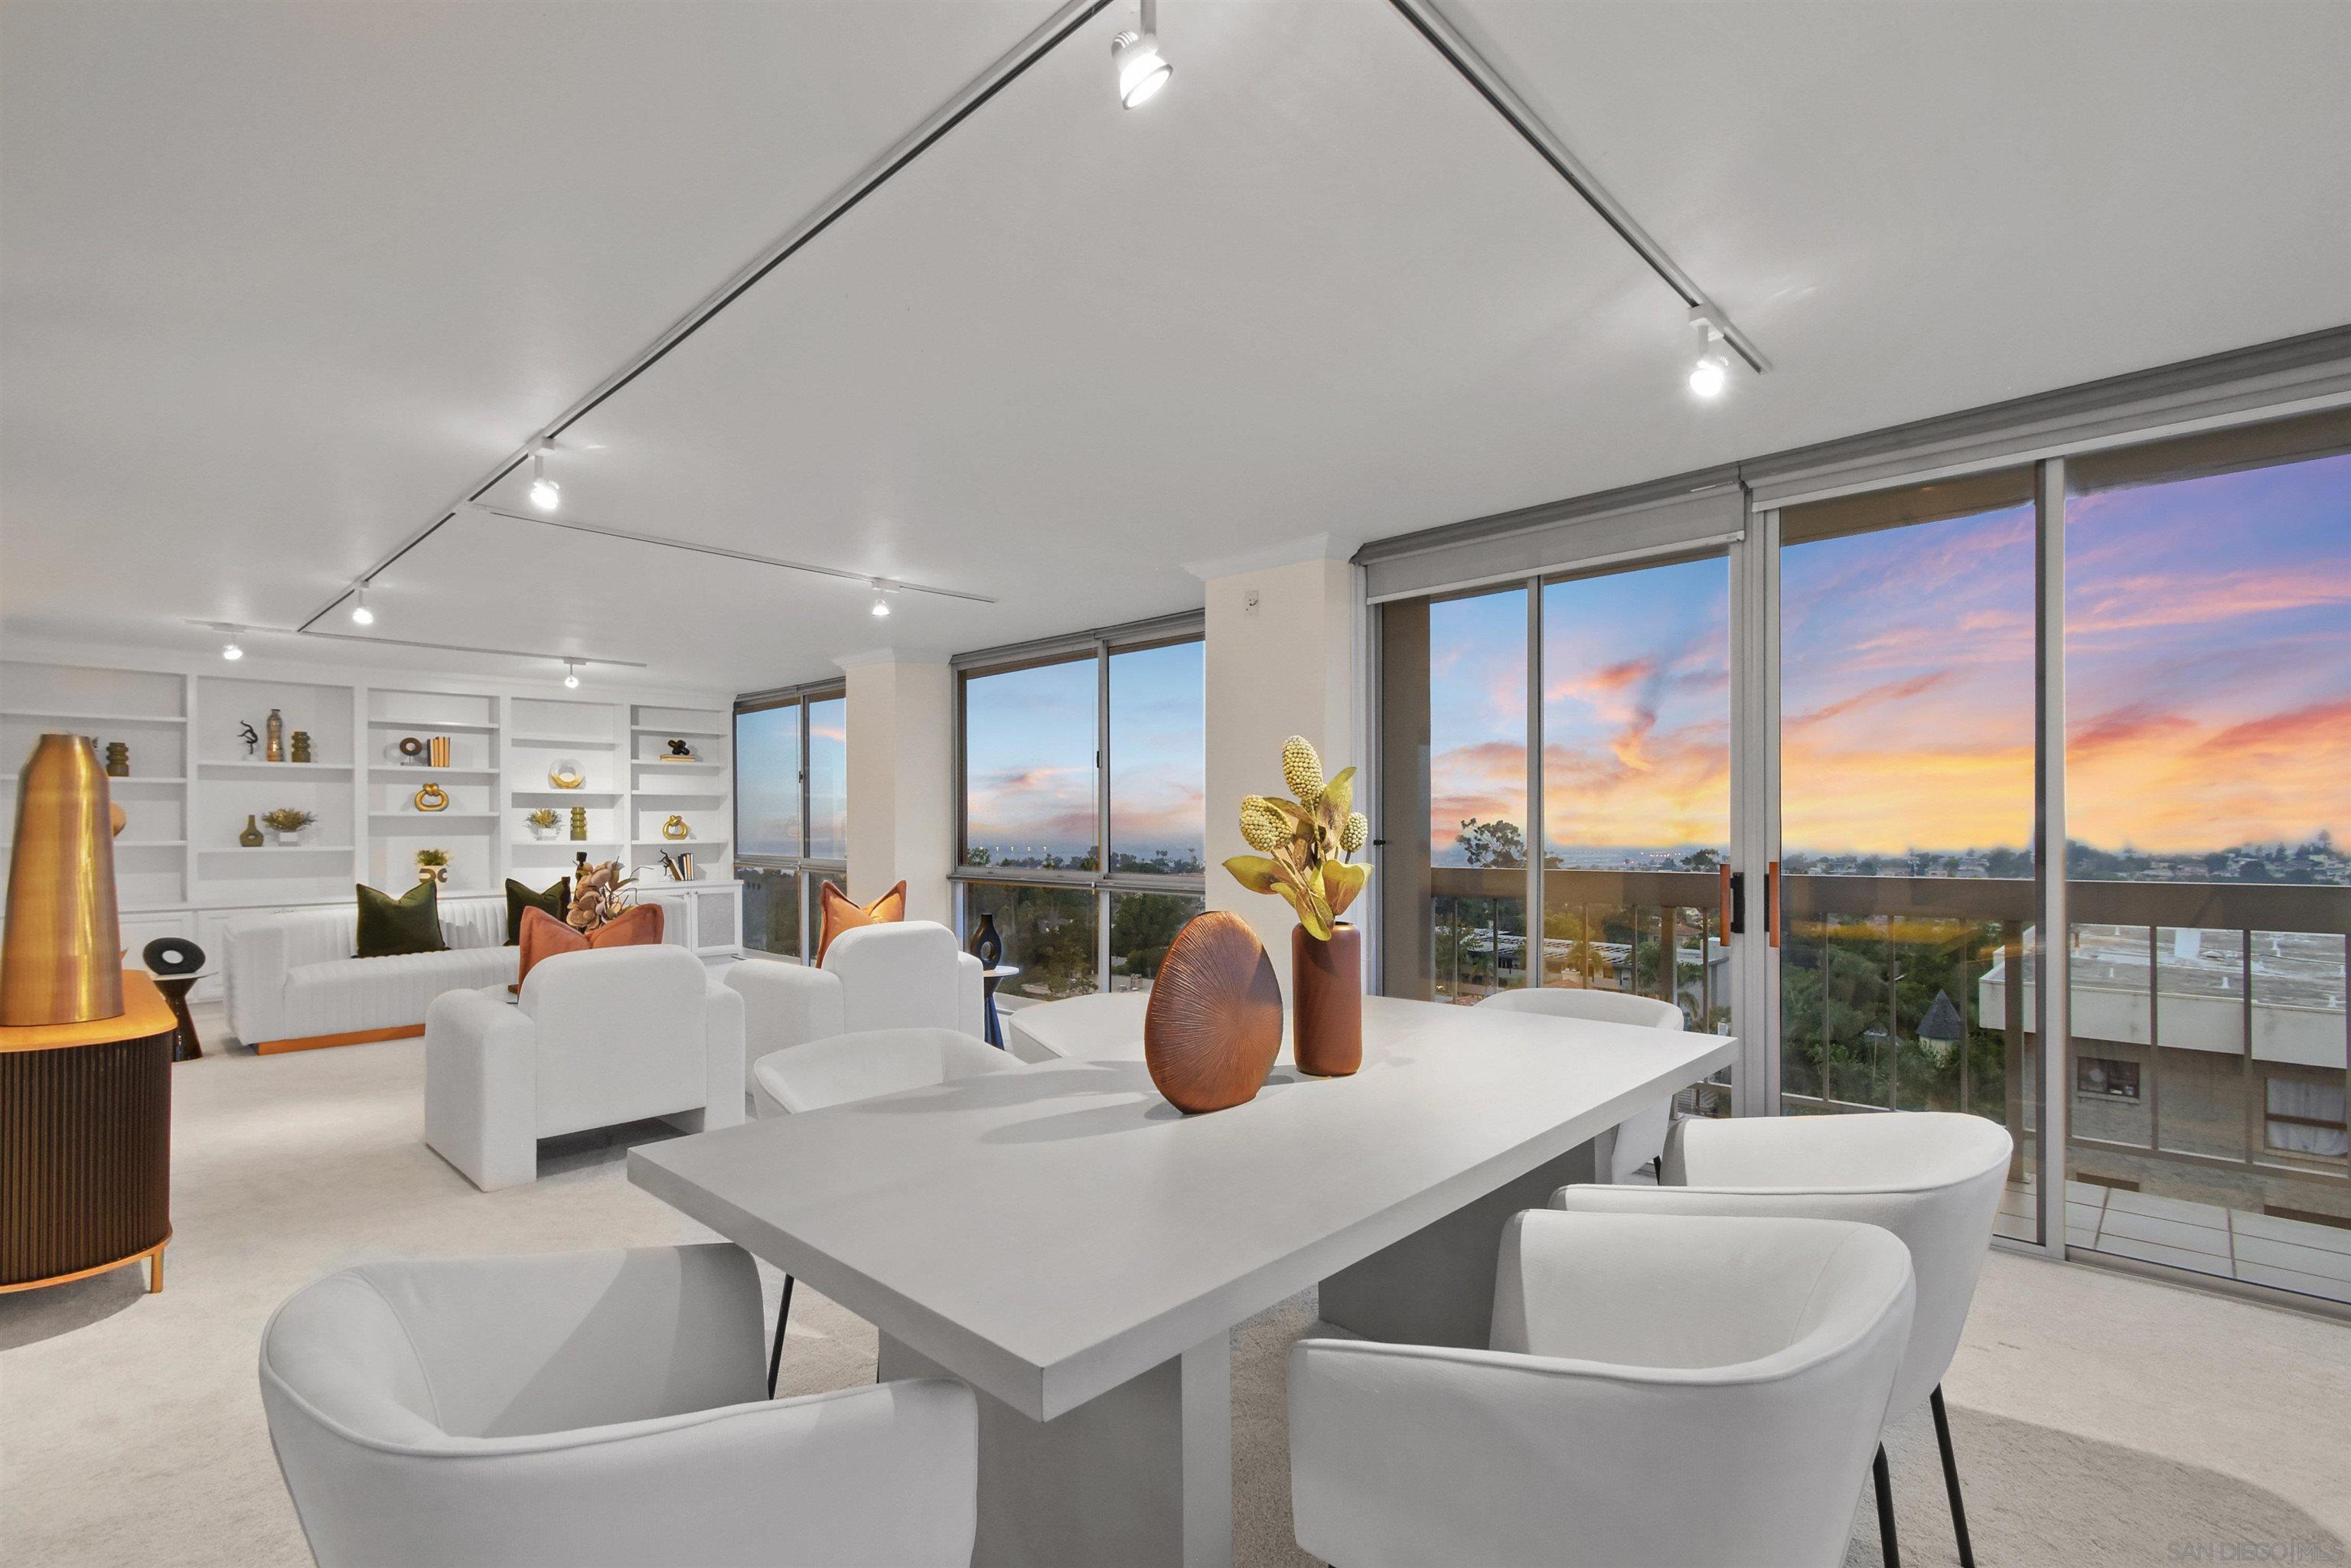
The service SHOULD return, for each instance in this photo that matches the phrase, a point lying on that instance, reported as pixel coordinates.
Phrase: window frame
(803, 865)
(1100, 645)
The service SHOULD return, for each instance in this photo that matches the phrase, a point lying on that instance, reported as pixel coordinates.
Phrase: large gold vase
(61, 959)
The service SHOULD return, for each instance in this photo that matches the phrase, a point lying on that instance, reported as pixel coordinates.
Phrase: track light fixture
(360, 614)
(571, 673)
(881, 598)
(229, 650)
(1134, 55)
(545, 492)
(1712, 370)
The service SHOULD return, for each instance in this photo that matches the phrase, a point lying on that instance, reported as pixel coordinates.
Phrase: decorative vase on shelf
(251, 837)
(288, 840)
(118, 759)
(302, 746)
(1326, 1001)
(276, 750)
(580, 824)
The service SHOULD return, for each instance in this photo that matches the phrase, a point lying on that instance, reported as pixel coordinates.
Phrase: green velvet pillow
(409, 923)
(555, 901)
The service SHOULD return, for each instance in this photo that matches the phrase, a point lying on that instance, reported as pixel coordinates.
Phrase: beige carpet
(2100, 1419)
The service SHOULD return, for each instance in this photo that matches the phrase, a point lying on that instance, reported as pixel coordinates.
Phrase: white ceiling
(278, 284)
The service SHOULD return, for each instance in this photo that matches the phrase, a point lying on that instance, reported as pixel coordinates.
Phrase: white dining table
(1066, 1242)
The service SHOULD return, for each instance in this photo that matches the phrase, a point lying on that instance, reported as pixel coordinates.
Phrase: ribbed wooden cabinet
(86, 1143)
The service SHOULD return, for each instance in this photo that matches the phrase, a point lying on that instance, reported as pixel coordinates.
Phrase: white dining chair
(589, 1408)
(1631, 1150)
(849, 1067)
(1933, 1179)
(906, 974)
(1698, 1392)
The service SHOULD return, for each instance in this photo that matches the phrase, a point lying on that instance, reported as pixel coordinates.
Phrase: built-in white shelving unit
(179, 869)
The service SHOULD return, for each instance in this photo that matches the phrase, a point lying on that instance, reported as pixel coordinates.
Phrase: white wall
(901, 782)
(1283, 660)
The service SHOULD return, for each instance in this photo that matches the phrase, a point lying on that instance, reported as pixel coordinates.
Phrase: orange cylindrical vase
(61, 959)
(1326, 1001)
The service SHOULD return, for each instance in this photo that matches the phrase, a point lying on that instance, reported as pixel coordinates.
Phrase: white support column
(1284, 658)
(902, 779)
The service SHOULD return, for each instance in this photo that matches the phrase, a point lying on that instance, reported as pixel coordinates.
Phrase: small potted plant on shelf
(433, 865)
(542, 822)
(288, 823)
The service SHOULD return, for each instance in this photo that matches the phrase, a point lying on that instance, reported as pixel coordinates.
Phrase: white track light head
(1134, 55)
(360, 614)
(229, 650)
(1711, 371)
(882, 591)
(571, 673)
(545, 492)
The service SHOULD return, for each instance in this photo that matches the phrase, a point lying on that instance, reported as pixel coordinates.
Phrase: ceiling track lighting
(360, 614)
(545, 492)
(1134, 55)
(1711, 371)
(882, 591)
(230, 650)
(1457, 52)
(571, 673)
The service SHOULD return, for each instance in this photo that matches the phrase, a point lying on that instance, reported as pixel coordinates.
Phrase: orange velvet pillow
(543, 935)
(841, 913)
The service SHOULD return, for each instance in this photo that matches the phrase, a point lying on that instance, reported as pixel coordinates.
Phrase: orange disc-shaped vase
(1214, 1024)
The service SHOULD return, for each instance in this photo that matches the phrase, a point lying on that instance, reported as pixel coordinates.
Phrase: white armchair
(1932, 1178)
(589, 1408)
(1704, 1393)
(596, 1038)
(908, 974)
(1632, 1149)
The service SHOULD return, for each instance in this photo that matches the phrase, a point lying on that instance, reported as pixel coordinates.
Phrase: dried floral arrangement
(287, 819)
(1304, 845)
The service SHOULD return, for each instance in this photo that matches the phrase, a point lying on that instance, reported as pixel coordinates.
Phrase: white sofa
(905, 975)
(596, 1038)
(292, 980)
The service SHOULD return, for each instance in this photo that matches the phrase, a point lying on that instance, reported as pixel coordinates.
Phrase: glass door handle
(1774, 895)
(1734, 902)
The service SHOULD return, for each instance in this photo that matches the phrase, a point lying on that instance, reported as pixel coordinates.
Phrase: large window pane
(1158, 760)
(1477, 731)
(1908, 688)
(1048, 932)
(767, 781)
(828, 779)
(1028, 767)
(1142, 924)
(771, 910)
(2207, 660)
(1636, 718)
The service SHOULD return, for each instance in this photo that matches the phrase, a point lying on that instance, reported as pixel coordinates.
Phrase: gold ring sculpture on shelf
(567, 774)
(432, 797)
(675, 828)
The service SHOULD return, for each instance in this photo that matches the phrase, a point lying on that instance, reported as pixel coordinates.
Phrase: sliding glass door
(1589, 715)
(1905, 893)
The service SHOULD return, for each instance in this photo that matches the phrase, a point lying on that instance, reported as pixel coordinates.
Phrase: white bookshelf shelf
(387, 770)
(275, 849)
(425, 819)
(58, 716)
(257, 765)
(431, 726)
(558, 742)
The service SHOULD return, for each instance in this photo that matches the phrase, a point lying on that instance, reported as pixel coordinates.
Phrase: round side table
(185, 1045)
(990, 980)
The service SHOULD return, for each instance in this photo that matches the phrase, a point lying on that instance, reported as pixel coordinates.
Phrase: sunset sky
(767, 780)
(2209, 664)
(1029, 738)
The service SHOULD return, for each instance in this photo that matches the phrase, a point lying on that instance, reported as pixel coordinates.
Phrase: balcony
(2207, 1063)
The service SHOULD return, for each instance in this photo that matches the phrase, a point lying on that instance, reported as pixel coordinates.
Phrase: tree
(1493, 846)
